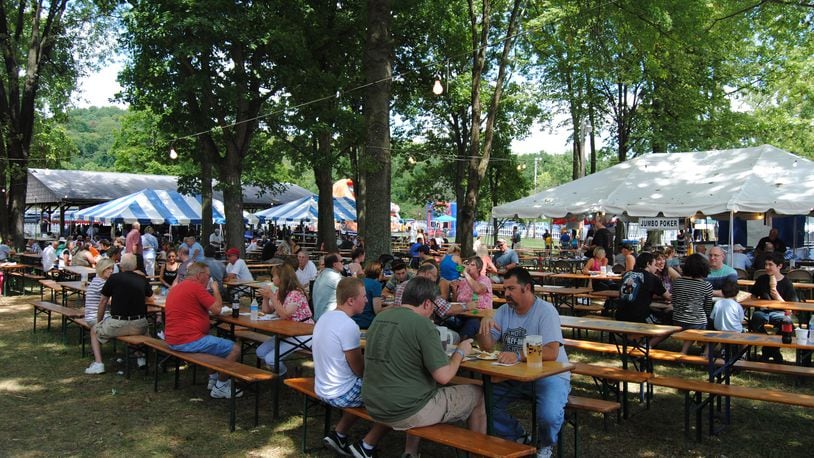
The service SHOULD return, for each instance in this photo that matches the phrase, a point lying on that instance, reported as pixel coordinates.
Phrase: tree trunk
(360, 191)
(480, 154)
(376, 160)
(206, 188)
(230, 173)
(326, 234)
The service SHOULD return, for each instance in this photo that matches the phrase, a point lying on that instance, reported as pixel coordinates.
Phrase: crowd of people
(402, 374)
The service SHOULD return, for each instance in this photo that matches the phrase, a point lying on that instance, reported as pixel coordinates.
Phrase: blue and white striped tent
(307, 209)
(151, 206)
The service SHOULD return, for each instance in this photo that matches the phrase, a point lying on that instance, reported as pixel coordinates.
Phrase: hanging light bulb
(411, 160)
(437, 87)
(173, 154)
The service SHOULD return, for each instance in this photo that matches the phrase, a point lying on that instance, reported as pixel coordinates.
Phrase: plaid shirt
(442, 305)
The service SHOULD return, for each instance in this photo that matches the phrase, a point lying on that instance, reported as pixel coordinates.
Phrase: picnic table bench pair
(447, 434)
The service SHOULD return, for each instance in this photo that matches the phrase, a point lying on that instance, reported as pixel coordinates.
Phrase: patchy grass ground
(51, 408)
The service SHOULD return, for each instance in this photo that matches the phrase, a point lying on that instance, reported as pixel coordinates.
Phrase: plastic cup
(802, 336)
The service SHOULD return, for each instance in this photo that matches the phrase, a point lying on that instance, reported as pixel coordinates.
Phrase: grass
(51, 408)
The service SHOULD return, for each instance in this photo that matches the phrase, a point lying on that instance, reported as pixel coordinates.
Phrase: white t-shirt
(304, 276)
(334, 334)
(727, 315)
(240, 269)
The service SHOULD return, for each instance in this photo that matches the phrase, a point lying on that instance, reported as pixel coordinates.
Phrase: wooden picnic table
(519, 372)
(736, 344)
(778, 305)
(293, 332)
(624, 334)
(562, 295)
(805, 288)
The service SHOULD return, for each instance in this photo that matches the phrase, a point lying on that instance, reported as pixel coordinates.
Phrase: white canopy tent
(744, 180)
(748, 180)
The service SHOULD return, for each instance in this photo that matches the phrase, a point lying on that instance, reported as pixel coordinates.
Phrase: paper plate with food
(487, 355)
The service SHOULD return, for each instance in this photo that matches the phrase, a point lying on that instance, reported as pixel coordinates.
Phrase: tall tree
(208, 67)
(318, 123)
(485, 25)
(375, 163)
(39, 42)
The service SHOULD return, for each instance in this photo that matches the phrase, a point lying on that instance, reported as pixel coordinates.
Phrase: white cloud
(98, 89)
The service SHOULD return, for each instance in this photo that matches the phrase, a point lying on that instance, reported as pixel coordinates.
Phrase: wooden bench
(774, 368)
(51, 285)
(615, 379)
(654, 354)
(68, 314)
(22, 277)
(444, 434)
(698, 402)
(248, 375)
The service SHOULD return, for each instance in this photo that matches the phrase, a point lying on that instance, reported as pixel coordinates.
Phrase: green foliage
(92, 131)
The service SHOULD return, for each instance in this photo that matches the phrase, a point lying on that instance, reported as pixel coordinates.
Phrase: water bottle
(253, 310)
(810, 325)
(787, 328)
(235, 306)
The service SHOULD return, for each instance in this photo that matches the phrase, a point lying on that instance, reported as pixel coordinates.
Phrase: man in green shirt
(404, 363)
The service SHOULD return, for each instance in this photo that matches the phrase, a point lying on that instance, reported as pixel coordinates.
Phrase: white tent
(744, 180)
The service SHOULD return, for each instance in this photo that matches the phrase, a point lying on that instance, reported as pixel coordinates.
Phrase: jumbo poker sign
(659, 224)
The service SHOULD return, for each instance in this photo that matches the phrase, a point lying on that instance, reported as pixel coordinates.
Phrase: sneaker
(359, 451)
(525, 439)
(224, 390)
(95, 368)
(212, 380)
(335, 442)
(544, 452)
(141, 362)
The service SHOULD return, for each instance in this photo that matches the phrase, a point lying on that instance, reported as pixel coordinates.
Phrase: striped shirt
(692, 300)
(93, 295)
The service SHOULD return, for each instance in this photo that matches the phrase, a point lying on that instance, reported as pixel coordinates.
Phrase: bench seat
(444, 434)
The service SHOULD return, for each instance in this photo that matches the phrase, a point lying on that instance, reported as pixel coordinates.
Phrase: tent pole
(731, 237)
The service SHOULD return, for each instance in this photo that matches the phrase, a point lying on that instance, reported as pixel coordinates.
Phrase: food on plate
(487, 355)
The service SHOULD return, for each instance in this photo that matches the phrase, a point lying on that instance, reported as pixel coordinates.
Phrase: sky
(98, 89)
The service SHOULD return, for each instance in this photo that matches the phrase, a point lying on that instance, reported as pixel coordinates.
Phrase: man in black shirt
(774, 238)
(602, 237)
(126, 292)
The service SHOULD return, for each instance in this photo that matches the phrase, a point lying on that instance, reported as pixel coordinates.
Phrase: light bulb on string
(411, 160)
(437, 87)
(173, 154)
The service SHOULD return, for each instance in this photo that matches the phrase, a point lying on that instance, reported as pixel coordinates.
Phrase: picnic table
(624, 334)
(736, 344)
(285, 330)
(520, 372)
(561, 295)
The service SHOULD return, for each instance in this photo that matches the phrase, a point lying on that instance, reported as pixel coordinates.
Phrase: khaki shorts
(109, 328)
(450, 404)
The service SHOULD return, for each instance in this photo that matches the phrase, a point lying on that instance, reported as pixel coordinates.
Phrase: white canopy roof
(755, 179)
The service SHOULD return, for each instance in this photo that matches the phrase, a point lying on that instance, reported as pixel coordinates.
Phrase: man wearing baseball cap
(237, 269)
(739, 259)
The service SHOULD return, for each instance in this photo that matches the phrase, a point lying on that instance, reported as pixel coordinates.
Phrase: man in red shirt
(132, 244)
(187, 324)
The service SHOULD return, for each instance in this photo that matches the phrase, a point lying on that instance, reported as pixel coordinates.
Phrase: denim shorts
(207, 344)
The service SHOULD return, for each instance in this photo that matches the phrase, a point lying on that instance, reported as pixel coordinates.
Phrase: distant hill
(91, 130)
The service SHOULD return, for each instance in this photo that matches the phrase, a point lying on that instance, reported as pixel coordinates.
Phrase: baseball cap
(232, 251)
